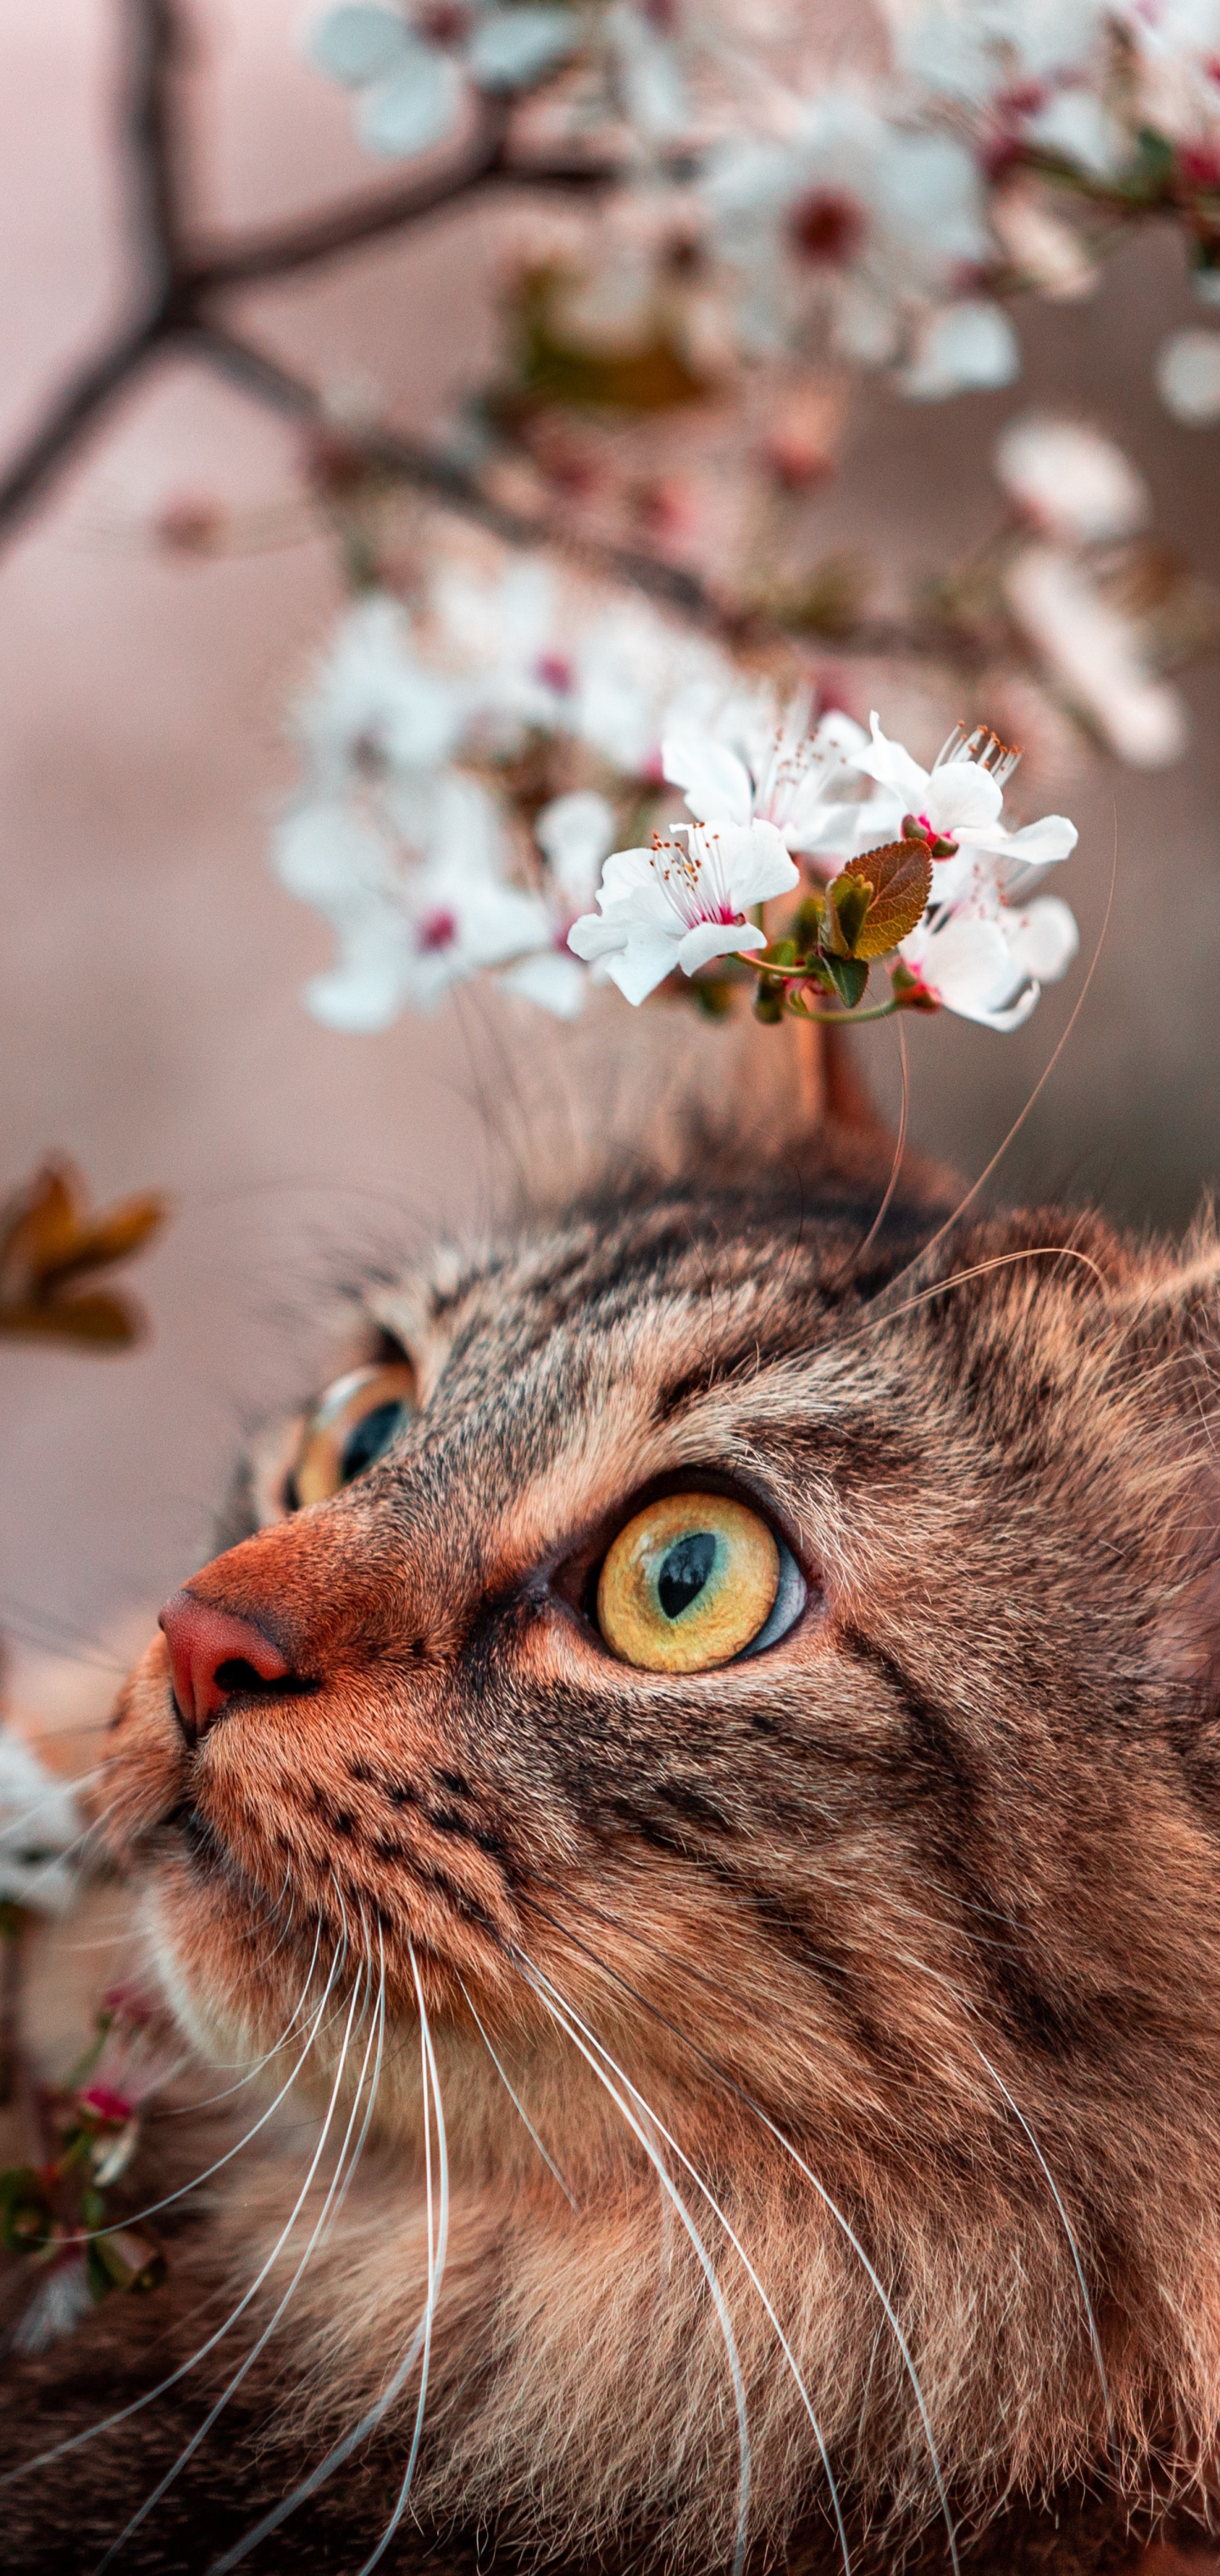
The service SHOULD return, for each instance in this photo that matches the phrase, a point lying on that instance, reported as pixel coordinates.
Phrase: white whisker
(522, 2114)
(702, 2256)
(1053, 2188)
(738, 2248)
(374, 2414)
(222, 2401)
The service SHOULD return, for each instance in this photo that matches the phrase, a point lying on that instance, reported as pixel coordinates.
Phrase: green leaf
(807, 923)
(850, 898)
(900, 876)
(25, 2211)
(769, 1002)
(849, 976)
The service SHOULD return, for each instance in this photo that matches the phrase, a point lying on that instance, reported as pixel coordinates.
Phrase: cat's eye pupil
(369, 1437)
(684, 1572)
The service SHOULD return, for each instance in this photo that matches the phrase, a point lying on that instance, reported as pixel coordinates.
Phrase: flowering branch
(181, 285)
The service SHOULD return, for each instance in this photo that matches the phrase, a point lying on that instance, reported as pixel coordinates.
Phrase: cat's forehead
(638, 1293)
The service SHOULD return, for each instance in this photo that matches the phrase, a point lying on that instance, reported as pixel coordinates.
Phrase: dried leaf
(900, 874)
(47, 1239)
(110, 1323)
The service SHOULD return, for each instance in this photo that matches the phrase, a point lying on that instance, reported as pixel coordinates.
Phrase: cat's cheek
(185, 1961)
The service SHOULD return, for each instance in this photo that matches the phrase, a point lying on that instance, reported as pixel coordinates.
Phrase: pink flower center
(1199, 167)
(556, 674)
(444, 22)
(826, 227)
(112, 2108)
(437, 932)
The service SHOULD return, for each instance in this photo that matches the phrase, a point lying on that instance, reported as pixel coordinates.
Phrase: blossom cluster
(501, 781)
(57, 2215)
(886, 222)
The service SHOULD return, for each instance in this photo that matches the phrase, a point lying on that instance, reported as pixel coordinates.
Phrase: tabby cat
(697, 1783)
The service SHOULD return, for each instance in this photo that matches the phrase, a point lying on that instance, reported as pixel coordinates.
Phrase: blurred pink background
(150, 964)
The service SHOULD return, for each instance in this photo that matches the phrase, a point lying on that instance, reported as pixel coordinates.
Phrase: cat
(701, 1749)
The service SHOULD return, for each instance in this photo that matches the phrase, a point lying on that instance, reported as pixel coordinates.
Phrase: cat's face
(808, 1704)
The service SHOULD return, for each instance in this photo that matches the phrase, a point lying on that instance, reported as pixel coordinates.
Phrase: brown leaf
(900, 874)
(112, 1323)
(47, 1239)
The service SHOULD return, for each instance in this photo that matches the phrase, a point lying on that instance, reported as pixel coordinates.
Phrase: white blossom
(755, 764)
(375, 711)
(1094, 651)
(39, 1824)
(409, 922)
(682, 902)
(988, 963)
(849, 219)
(628, 675)
(968, 50)
(409, 67)
(969, 347)
(961, 800)
(1188, 376)
(575, 834)
(1075, 485)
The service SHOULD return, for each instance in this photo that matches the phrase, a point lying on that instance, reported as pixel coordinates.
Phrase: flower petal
(717, 939)
(418, 104)
(1043, 939)
(513, 47)
(553, 982)
(963, 799)
(892, 766)
(755, 862)
(356, 45)
(715, 783)
(645, 964)
(591, 937)
(1040, 844)
(574, 833)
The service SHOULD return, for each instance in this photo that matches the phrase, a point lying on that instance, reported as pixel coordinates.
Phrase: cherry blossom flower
(410, 920)
(848, 219)
(1074, 484)
(375, 711)
(409, 67)
(682, 902)
(960, 803)
(752, 764)
(987, 963)
(970, 53)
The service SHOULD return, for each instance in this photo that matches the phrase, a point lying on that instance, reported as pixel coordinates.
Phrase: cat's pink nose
(214, 1658)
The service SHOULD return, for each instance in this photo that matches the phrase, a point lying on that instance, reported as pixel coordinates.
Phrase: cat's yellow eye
(351, 1425)
(694, 1581)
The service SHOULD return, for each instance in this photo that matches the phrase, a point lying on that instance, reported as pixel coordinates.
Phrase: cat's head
(763, 1696)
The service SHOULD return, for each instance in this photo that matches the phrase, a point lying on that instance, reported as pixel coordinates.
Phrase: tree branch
(68, 418)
